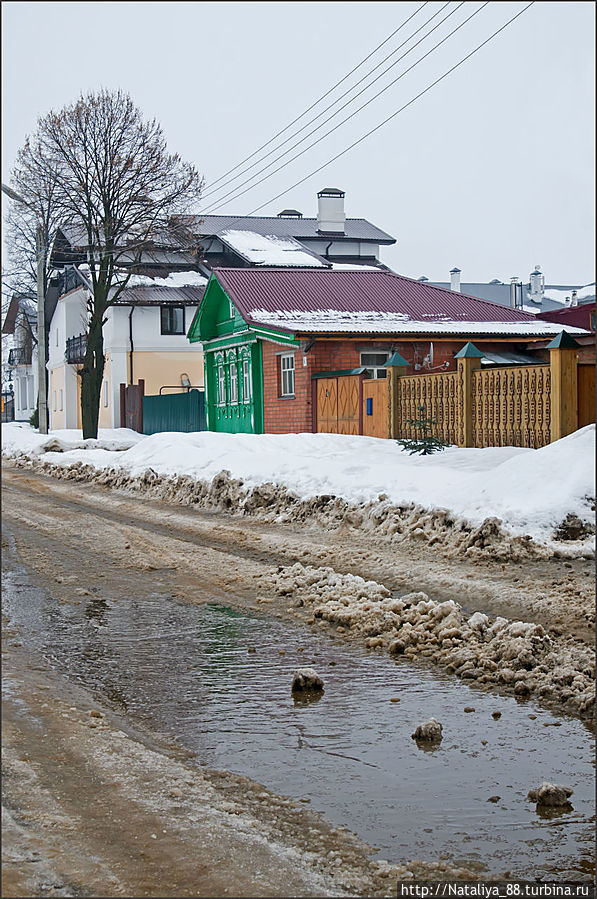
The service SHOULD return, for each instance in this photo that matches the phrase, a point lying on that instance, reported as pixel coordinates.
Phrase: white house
(144, 338)
(21, 322)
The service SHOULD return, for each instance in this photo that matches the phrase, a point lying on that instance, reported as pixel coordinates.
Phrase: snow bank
(361, 481)
(517, 656)
(19, 439)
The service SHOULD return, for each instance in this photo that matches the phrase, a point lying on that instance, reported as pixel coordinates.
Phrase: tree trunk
(91, 375)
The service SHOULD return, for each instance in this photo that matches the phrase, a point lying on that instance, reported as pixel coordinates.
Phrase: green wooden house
(233, 370)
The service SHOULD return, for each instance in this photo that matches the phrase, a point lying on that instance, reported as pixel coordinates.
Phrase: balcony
(76, 348)
(19, 356)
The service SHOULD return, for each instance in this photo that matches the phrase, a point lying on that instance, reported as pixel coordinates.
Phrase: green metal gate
(174, 412)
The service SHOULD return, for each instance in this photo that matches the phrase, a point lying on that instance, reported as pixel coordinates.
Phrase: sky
(491, 170)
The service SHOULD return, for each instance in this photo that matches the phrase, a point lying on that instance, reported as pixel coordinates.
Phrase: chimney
(330, 211)
(455, 279)
(515, 292)
(537, 283)
(574, 300)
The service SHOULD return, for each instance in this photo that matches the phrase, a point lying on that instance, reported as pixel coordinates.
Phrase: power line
(323, 96)
(398, 111)
(216, 190)
(352, 114)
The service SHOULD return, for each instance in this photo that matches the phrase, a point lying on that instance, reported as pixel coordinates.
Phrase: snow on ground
(531, 491)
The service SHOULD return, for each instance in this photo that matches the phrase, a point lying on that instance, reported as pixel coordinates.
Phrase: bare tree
(104, 174)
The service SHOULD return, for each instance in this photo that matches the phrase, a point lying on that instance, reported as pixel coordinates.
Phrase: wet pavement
(218, 678)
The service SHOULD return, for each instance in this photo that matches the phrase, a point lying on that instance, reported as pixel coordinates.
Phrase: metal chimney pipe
(455, 279)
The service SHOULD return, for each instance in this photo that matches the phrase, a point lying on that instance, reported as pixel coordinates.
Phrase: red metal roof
(314, 290)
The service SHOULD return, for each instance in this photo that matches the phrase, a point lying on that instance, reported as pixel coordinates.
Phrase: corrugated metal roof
(352, 301)
(304, 228)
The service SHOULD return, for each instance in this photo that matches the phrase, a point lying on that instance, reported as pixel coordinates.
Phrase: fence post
(123, 405)
(563, 364)
(396, 367)
(469, 361)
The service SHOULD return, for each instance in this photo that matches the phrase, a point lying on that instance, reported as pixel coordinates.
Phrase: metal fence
(174, 412)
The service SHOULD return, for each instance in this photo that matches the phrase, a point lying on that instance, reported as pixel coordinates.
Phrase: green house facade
(232, 361)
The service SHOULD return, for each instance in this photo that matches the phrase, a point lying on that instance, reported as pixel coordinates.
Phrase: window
(232, 310)
(172, 319)
(221, 385)
(54, 401)
(60, 400)
(57, 336)
(287, 375)
(374, 363)
(246, 380)
(233, 378)
(105, 393)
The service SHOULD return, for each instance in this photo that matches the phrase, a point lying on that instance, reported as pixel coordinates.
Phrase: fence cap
(396, 360)
(562, 341)
(468, 351)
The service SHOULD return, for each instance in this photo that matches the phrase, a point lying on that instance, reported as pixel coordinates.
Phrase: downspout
(327, 249)
(132, 349)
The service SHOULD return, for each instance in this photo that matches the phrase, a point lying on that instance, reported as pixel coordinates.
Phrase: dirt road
(96, 807)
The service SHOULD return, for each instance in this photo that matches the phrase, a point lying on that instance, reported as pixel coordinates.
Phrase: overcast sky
(492, 170)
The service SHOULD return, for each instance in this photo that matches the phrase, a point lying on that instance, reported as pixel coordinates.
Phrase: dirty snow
(518, 656)
(530, 491)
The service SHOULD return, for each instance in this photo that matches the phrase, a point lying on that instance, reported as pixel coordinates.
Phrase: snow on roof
(174, 279)
(331, 320)
(561, 294)
(378, 301)
(269, 249)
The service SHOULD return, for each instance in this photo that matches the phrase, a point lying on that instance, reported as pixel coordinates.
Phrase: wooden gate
(375, 408)
(339, 404)
(131, 406)
(586, 394)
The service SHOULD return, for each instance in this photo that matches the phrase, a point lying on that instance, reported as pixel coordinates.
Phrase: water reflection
(188, 671)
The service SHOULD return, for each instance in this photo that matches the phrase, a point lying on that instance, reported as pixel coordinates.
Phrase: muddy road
(103, 797)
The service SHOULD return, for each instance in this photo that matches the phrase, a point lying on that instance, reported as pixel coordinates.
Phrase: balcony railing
(76, 348)
(20, 356)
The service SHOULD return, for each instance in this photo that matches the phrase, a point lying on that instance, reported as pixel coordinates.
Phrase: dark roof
(160, 296)
(324, 301)
(303, 228)
(312, 290)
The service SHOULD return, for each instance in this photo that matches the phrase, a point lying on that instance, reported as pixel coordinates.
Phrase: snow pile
(517, 655)
(464, 499)
(21, 440)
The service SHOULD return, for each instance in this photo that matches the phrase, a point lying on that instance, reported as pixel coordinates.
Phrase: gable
(217, 316)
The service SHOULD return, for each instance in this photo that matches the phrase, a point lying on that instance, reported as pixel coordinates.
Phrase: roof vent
(290, 214)
(423, 278)
(496, 281)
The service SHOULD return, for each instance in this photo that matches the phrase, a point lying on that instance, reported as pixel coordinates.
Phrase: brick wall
(293, 415)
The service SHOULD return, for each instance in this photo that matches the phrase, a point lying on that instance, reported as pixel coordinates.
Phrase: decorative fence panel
(586, 394)
(442, 398)
(511, 406)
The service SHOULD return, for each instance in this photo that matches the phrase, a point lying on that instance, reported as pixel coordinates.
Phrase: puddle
(186, 671)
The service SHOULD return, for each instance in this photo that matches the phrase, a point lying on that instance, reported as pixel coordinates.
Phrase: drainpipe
(327, 249)
(132, 350)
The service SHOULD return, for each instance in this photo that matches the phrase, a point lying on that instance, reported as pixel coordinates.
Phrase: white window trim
(54, 410)
(246, 369)
(106, 393)
(287, 374)
(221, 384)
(233, 381)
(374, 369)
(61, 400)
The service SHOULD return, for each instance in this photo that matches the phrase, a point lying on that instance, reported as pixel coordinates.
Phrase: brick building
(270, 335)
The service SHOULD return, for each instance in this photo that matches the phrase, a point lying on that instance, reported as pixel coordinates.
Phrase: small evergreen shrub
(424, 443)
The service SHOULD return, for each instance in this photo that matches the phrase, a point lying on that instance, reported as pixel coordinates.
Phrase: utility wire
(398, 111)
(351, 115)
(215, 190)
(313, 105)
